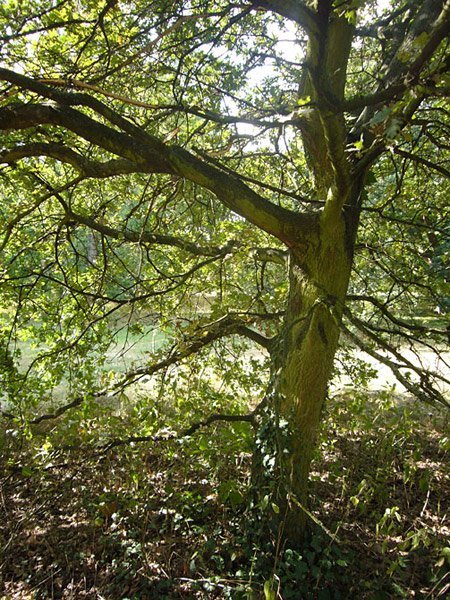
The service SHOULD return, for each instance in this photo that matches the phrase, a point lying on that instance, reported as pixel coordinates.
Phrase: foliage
(201, 204)
(88, 236)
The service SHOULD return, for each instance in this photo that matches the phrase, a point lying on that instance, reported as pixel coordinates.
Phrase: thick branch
(441, 30)
(79, 99)
(160, 158)
(24, 116)
(335, 141)
(432, 20)
(378, 146)
(296, 11)
(253, 335)
(379, 97)
(284, 224)
(273, 255)
(87, 168)
(205, 336)
(384, 24)
(390, 89)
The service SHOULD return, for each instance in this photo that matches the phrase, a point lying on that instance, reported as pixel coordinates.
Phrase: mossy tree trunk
(302, 365)
(319, 273)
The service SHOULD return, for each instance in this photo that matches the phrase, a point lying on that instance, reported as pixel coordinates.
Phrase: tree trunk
(319, 273)
(302, 363)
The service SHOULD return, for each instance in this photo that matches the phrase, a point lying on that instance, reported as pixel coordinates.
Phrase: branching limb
(266, 186)
(335, 141)
(273, 255)
(433, 21)
(198, 340)
(296, 11)
(425, 392)
(147, 48)
(383, 24)
(391, 317)
(153, 156)
(125, 234)
(60, 152)
(381, 96)
(201, 338)
(424, 374)
(207, 115)
(263, 254)
(144, 237)
(176, 281)
(172, 435)
(23, 214)
(423, 161)
(162, 436)
(68, 99)
(440, 31)
(38, 30)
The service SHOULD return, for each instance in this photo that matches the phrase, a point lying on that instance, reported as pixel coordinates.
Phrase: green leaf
(275, 508)
(269, 592)
(371, 178)
(423, 484)
(203, 444)
(235, 498)
(304, 101)
(26, 471)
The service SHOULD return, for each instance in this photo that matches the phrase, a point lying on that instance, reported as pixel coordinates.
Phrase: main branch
(157, 157)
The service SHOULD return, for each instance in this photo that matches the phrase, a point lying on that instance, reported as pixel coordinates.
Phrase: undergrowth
(168, 520)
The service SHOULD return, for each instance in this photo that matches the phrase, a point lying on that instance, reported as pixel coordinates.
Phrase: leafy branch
(201, 337)
(425, 391)
(171, 435)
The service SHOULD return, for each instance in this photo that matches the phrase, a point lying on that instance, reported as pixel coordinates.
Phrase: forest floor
(168, 520)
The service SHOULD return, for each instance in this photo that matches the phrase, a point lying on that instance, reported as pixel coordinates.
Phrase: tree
(139, 125)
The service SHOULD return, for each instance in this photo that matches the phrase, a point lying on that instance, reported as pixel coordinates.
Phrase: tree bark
(319, 273)
(302, 364)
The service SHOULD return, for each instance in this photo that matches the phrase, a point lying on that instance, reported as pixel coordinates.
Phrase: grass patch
(125, 348)
(128, 349)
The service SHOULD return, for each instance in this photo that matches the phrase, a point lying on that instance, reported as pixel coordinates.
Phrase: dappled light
(224, 299)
